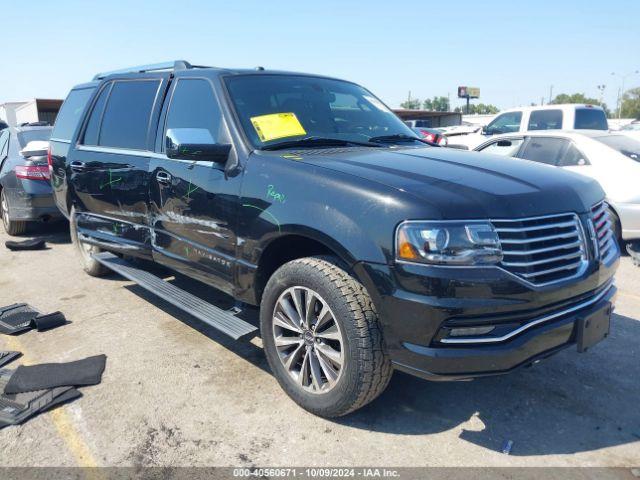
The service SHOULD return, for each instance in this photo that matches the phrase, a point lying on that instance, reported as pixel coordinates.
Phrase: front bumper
(31, 207)
(419, 306)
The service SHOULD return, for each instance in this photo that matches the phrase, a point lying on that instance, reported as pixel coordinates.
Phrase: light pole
(621, 89)
(601, 89)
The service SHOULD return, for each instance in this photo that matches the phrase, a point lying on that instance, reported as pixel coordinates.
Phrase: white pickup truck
(546, 117)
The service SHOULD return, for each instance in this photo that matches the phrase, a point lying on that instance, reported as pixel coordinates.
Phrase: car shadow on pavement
(568, 403)
(243, 348)
(55, 232)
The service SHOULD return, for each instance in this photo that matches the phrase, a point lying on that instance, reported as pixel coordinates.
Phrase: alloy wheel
(5, 210)
(308, 339)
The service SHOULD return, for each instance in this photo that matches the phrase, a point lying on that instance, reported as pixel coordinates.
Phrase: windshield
(27, 136)
(275, 109)
(626, 145)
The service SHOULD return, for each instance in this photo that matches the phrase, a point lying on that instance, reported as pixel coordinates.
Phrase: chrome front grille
(603, 230)
(543, 250)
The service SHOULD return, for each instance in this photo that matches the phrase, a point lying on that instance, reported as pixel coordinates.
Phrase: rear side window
(572, 157)
(194, 105)
(591, 119)
(70, 114)
(544, 150)
(545, 120)
(505, 123)
(125, 122)
(4, 143)
(93, 125)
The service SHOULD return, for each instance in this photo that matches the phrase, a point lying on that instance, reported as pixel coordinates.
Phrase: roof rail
(154, 67)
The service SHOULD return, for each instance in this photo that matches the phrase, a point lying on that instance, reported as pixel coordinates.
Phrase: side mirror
(195, 144)
(484, 130)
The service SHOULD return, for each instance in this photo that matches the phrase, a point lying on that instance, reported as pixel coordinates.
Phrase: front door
(194, 204)
(109, 169)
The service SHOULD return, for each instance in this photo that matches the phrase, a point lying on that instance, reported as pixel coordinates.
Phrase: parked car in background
(611, 158)
(631, 130)
(546, 117)
(25, 191)
(365, 249)
(432, 135)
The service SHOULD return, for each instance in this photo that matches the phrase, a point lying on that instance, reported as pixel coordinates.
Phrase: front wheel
(89, 264)
(12, 227)
(321, 337)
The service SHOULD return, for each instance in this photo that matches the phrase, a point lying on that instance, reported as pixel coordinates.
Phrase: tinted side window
(544, 150)
(572, 157)
(591, 118)
(126, 119)
(93, 125)
(193, 105)
(545, 120)
(505, 123)
(70, 114)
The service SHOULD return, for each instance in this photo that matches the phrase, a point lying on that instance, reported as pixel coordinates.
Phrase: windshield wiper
(317, 142)
(398, 138)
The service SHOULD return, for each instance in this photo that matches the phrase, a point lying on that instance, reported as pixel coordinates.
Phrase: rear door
(109, 168)
(194, 204)
(66, 126)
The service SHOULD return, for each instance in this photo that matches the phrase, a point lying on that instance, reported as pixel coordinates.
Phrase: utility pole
(621, 89)
(601, 88)
(550, 94)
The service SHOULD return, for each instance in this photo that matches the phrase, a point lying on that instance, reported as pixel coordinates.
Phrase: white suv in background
(611, 158)
(546, 117)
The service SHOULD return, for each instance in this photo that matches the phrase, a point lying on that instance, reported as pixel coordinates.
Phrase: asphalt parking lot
(177, 393)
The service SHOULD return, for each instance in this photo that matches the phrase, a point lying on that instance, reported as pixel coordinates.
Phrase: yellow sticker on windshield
(277, 125)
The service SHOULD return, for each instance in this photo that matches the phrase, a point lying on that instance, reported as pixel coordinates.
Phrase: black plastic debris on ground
(16, 408)
(52, 375)
(8, 357)
(33, 244)
(20, 317)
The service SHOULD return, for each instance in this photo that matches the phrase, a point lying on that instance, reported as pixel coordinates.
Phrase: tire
(12, 227)
(84, 251)
(617, 229)
(362, 369)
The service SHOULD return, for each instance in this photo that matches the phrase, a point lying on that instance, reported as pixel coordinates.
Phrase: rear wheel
(12, 227)
(321, 337)
(84, 250)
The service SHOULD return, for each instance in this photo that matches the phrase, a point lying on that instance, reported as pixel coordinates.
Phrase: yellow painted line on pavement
(60, 419)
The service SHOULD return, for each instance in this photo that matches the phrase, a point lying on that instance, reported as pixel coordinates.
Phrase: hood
(460, 185)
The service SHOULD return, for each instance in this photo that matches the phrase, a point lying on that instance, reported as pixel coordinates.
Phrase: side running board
(222, 320)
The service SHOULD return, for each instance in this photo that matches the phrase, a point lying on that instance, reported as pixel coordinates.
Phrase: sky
(514, 51)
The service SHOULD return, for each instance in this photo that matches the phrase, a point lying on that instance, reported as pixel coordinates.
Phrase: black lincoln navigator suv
(366, 248)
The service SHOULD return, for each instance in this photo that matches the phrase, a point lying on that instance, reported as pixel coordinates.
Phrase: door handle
(78, 166)
(163, 177)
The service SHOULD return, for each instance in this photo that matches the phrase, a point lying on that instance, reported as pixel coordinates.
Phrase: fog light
(470, 331)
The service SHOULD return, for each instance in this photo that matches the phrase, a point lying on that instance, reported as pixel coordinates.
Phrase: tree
(630, 106)
(479, 109)
(437, 104)
(411, 104)
(579, 98)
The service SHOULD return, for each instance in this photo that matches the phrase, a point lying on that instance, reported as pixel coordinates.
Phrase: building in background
(35, 110)
(428, 118)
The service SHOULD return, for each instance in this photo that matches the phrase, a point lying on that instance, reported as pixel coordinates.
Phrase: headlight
(448, 243)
